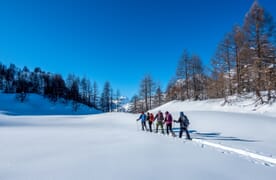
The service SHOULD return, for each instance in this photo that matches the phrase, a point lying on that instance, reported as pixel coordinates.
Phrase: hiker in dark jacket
(143, 119)
(184, 123)
(169, 121)
(160, 118)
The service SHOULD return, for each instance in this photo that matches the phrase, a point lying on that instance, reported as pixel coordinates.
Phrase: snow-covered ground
(235, 104)
(226, 145)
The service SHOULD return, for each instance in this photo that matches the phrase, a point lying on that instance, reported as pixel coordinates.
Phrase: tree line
(245, 58)
(244, 62)
(54, 87)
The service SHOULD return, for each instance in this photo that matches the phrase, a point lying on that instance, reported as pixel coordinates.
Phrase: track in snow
(269, 161)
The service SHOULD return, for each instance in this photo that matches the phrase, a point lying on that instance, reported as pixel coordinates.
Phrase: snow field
(48, 144)
(108, 146)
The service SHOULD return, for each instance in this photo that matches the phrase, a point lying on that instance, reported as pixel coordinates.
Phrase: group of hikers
(167, 120)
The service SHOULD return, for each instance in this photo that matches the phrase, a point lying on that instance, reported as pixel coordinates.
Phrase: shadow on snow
(213, 136)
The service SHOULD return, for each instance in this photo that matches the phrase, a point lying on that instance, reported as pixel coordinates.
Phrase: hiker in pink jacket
(169, 121)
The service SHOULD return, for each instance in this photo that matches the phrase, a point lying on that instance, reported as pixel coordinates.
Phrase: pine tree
(10, 78)
(106, 97)
(95, 95)
(111, 100)
(84, 90)
(2, 75)
(118, 94)
(58, 87)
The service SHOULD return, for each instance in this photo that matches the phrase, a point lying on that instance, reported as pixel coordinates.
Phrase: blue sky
(115, 40)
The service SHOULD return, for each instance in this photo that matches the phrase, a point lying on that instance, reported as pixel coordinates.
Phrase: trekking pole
(137, 125)
(173, 124)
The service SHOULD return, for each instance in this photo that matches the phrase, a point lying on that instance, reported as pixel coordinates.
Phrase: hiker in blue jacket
(184, 123)
(143, 119)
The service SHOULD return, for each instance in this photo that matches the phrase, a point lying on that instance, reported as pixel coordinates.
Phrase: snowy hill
(225, 145)
(246, 104)
(37, 105)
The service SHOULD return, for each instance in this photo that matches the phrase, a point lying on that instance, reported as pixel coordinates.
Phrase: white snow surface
(227, 144)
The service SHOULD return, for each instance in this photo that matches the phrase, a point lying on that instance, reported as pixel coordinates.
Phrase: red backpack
(151, 117)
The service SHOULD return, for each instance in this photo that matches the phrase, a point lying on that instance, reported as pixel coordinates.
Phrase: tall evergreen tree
(2, 75)
(10, 79)
(84, 90)
(106, 97)
(58, 87)
(118, 104)
(95, 95)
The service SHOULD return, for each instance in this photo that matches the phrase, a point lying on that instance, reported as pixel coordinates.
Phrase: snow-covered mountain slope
(235, 104)
(37, 105)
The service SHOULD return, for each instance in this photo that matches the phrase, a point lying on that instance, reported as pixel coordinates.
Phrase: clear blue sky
(115, 40)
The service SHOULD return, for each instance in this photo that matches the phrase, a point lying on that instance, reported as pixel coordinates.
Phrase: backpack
(151, 117)
(169, 119)
(148, 117)
(186, 121)
(161, 117)
(143, 117)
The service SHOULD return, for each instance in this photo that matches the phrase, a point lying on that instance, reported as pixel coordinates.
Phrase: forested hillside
(244, 63)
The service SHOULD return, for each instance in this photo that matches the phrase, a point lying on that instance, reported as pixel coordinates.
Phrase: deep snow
(112, 146)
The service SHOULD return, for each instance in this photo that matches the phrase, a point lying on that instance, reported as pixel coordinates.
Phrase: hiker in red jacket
(150, 119)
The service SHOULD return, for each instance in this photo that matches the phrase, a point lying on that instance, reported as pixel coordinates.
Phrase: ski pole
(137, 125)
